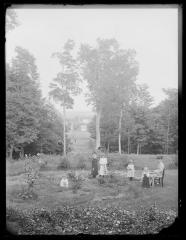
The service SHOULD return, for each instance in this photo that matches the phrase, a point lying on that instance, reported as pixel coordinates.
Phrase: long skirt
(94, 171)
(103, 169)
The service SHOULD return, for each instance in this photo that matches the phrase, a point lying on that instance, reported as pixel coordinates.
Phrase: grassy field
(120, 193)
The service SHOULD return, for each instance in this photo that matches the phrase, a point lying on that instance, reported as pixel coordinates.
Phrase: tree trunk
(64, 131)
(41, 148)
(168, 127)
(138, 149)
(128, 143)
(119, 136)
(98, 139)
(108, 147)
(11, 151)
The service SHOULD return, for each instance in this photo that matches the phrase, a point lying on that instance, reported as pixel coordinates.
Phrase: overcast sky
(153, 33)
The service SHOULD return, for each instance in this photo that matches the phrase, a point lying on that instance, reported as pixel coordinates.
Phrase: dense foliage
(89, 220)
(144, 129)
(32, 124)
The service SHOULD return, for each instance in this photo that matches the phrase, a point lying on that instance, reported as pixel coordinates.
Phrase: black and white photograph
(91, 119)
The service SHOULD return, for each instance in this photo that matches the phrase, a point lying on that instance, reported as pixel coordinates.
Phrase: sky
(152, 32)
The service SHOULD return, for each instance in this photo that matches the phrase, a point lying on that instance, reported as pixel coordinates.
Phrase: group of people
(102, 169)
(99, 167)
(145, 173)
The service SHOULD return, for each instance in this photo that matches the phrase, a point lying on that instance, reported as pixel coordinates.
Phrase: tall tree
(124, 70)
(95, 65)
(140, 111)
(168, 111)
(66, 83)
(22, 101)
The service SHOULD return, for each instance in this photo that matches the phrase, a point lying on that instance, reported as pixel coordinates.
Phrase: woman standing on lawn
(103, 165)
(94, 172)
(130, 170)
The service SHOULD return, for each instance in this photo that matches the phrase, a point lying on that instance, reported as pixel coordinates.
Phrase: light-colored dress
(160, 169)
(103, 166)
(130, 170)
(64, 182)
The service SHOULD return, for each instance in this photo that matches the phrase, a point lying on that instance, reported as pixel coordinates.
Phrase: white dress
(130, 170)
(64, 182)
(103, 166)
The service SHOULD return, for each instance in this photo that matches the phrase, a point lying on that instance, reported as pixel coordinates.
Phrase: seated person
(160, 167)
(145, 178)
(130, 170)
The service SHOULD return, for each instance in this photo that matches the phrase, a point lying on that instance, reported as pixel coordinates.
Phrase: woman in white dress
(130, 170)
(103, 165)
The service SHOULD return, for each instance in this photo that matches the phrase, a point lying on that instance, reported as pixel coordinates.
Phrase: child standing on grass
(130, 170)
(145, 178)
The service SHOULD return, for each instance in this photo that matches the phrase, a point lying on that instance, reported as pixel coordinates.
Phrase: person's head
(160, 161)
(131, 161)
(94, 155)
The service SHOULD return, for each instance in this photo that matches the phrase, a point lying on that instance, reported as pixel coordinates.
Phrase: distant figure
(103, 165)
(130, 170)
(145, 178)
(94, 172)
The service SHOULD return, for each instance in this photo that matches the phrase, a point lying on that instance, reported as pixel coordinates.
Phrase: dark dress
(94, 167)
(145, 182)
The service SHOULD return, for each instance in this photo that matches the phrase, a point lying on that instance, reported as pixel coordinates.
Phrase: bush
(81, 164)
(32, 174)
(76, 181)
(27, 193)
(101, 180)
(64, 164)
(43, 164)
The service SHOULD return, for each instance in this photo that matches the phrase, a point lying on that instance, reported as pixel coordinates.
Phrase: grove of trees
(125, 120)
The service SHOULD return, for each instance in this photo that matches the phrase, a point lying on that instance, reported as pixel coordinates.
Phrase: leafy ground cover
(90, 220)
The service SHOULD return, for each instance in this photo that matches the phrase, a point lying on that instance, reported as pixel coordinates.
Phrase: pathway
(82, 142)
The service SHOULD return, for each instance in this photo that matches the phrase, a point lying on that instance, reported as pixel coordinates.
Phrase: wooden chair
(160, 179)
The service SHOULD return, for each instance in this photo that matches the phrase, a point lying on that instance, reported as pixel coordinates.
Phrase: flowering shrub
(32, 174)
(90, 220)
